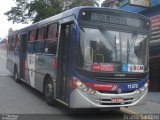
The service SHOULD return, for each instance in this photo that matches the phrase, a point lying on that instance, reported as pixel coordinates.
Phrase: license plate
(117, 100)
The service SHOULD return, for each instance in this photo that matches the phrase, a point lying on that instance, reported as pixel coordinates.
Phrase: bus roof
(73, 11)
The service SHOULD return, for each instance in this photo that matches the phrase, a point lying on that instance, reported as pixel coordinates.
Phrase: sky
(5, 25)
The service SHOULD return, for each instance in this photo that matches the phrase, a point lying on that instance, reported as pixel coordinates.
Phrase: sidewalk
(154, 97)
(152, 105)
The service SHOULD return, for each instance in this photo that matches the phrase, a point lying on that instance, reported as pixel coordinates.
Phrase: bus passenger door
(23, 55)
(63, 60)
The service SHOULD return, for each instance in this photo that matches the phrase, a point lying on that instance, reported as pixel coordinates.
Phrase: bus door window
(22, 55)
(63, 54)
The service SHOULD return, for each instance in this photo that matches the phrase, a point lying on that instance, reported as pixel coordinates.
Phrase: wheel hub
(49, 89)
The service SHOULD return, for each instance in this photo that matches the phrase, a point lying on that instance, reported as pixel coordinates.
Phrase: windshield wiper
(111, 42)
(107, 37)
(131, 43)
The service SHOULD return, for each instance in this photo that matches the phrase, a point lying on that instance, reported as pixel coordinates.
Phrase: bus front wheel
(49, 91)
(16, 74)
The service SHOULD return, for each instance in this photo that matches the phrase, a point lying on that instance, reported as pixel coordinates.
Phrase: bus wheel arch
(15, 73)
(48, 89)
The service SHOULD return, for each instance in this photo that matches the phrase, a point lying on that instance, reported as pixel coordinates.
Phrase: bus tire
(49, 91)
(15, 76)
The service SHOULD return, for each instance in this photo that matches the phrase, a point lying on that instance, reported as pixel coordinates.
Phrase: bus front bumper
(80, 99)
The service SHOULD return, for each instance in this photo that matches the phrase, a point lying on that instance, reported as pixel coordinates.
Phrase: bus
(85, 57)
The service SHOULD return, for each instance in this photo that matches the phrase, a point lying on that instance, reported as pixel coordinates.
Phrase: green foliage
(75, 3)
(36, 10)
(17, 13)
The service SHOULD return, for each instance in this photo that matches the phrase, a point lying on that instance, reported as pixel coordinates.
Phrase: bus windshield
(103, 50)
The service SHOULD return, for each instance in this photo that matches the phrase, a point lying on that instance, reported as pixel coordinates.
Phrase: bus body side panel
(17, 62)
(43, 67)
(38, 65)
(30, 68)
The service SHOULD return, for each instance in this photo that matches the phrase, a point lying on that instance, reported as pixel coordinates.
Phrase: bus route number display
(112, 17)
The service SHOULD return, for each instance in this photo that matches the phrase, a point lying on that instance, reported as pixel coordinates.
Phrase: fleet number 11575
(132, 86)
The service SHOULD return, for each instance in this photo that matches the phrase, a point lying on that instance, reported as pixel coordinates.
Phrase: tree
(75, 3)
(36, 10)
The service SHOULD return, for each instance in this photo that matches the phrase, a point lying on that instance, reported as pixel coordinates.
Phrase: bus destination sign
(113, 18)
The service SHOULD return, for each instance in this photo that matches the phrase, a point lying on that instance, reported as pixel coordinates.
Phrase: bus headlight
(78, 83)
(83, 87)
(146, 84)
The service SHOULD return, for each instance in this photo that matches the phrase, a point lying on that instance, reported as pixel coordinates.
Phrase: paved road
(19, 98)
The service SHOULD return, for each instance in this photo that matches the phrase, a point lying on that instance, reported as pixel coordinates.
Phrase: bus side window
(39, 42)
(51, 36)
(14, 43)
(9, 43)
(32, 36)
(50, 47)
(30, 47)
(17, 44)
(30, 43)
(40, 34)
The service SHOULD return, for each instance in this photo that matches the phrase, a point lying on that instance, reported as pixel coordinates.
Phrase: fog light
(85, 89)
(138, 92)
(92, 92)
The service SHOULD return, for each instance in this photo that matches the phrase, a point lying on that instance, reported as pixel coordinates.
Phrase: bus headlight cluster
(142, 89)
(146, 84)
(83, 87)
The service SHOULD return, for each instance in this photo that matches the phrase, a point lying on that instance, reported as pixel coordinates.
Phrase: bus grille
(115, 92)
(106, 79)
(109, 101)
